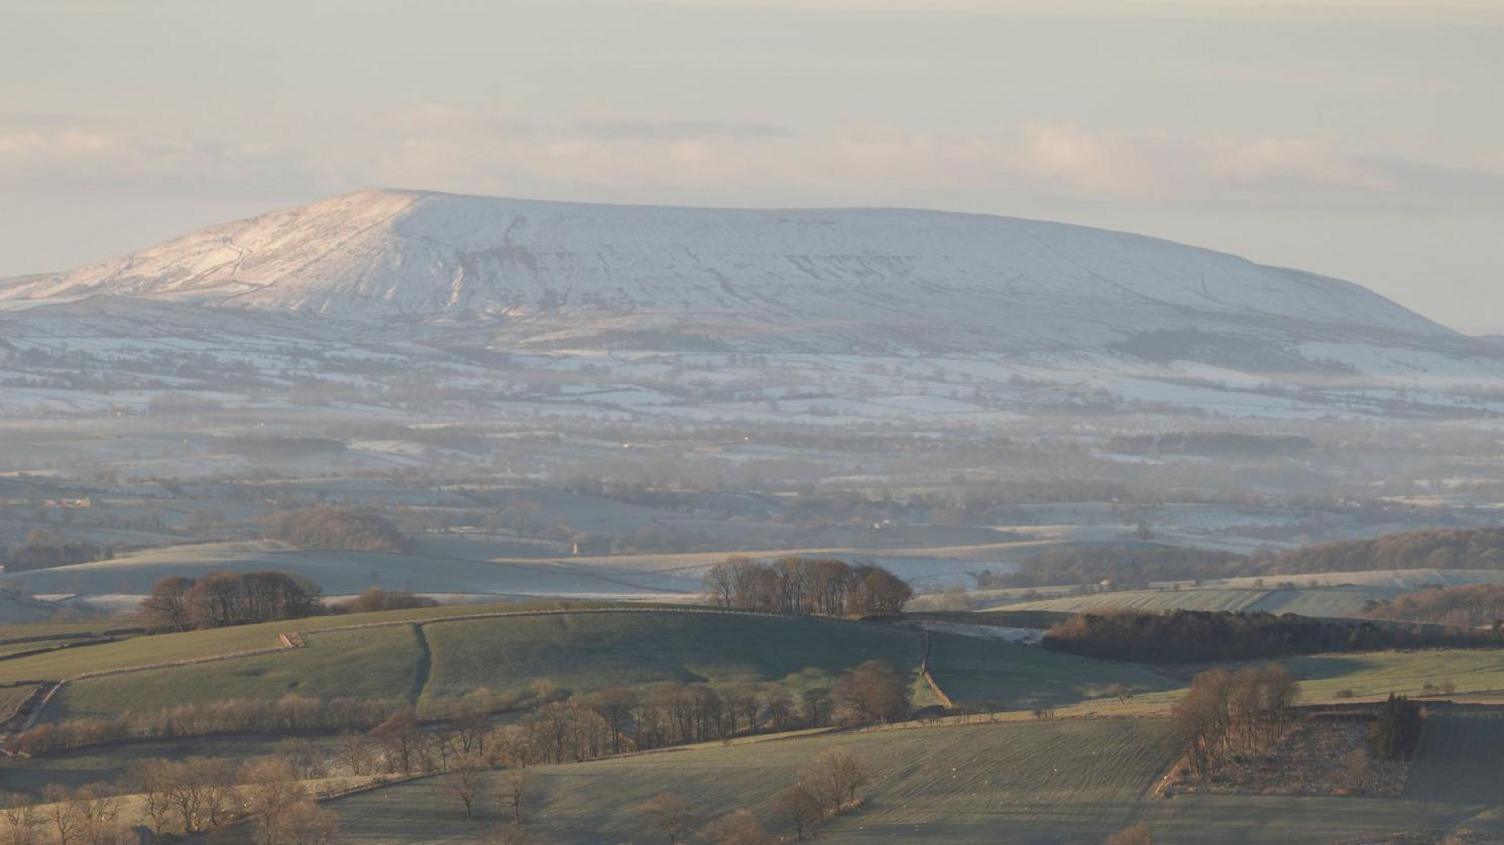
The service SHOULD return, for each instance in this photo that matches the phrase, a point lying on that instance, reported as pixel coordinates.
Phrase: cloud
(722, 162)
(59, 151)
(1159, 165)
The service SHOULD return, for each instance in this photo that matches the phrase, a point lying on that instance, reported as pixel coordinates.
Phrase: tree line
(222, 599)
(1199, 635)
(561, 728)
(1477, 548)
(806, 586)
(178, 798)
(46, 549)
(1471, 606)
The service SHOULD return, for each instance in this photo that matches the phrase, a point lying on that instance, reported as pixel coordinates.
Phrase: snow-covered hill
(999, 309)
(928, 277)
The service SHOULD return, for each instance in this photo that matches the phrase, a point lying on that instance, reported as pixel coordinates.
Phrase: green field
(584, 652)
(1477, 673)
(1333, 601)
(980, 783)
(575, 652)
(1029, 782)
(990, 673)
(144, 651)
(380, 663)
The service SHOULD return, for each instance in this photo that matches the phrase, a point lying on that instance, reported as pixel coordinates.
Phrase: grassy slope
(983, 783)
(578, 652)
(1477, 673)
(1028, 782)
(1151, 600)
(141, 651)
(974, 671)
(583, 652)
(374, 663)
(1334, 601)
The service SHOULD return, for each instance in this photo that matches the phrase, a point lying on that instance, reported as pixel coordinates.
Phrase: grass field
(1329, 594)
(378, 663)
(1332, 601)
(143, 651)
(976, 672)
(11, 698)
(984, 783)
(1477, 673)
(576, 652)
(1027, 782)
(583, 652)
(1149, 600)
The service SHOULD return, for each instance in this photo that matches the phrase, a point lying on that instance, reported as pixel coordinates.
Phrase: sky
(1363, 140)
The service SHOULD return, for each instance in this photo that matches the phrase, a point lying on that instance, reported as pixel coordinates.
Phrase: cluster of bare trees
(827, 788)
(328, 527)
(1459, 607)
(45, 549)
(184, 797)
(806, 586)
(1226, 712)
(221, 599)
(621, 719)
(85, 816)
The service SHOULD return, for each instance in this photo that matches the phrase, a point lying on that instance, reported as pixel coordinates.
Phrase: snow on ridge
(407, 252)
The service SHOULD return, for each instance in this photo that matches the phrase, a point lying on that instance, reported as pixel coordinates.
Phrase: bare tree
(464, 783)
(167, 606)
(61, 814)
(670, 814)
(872, 692)
(19, 824)
(307, 823)
(800, 808)
(152, 780)
(835, 777)
(98, 816)
(779, 705)
(271, 788)
(219, 799)
(615, 704)
(516, 789)
(399, 738)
